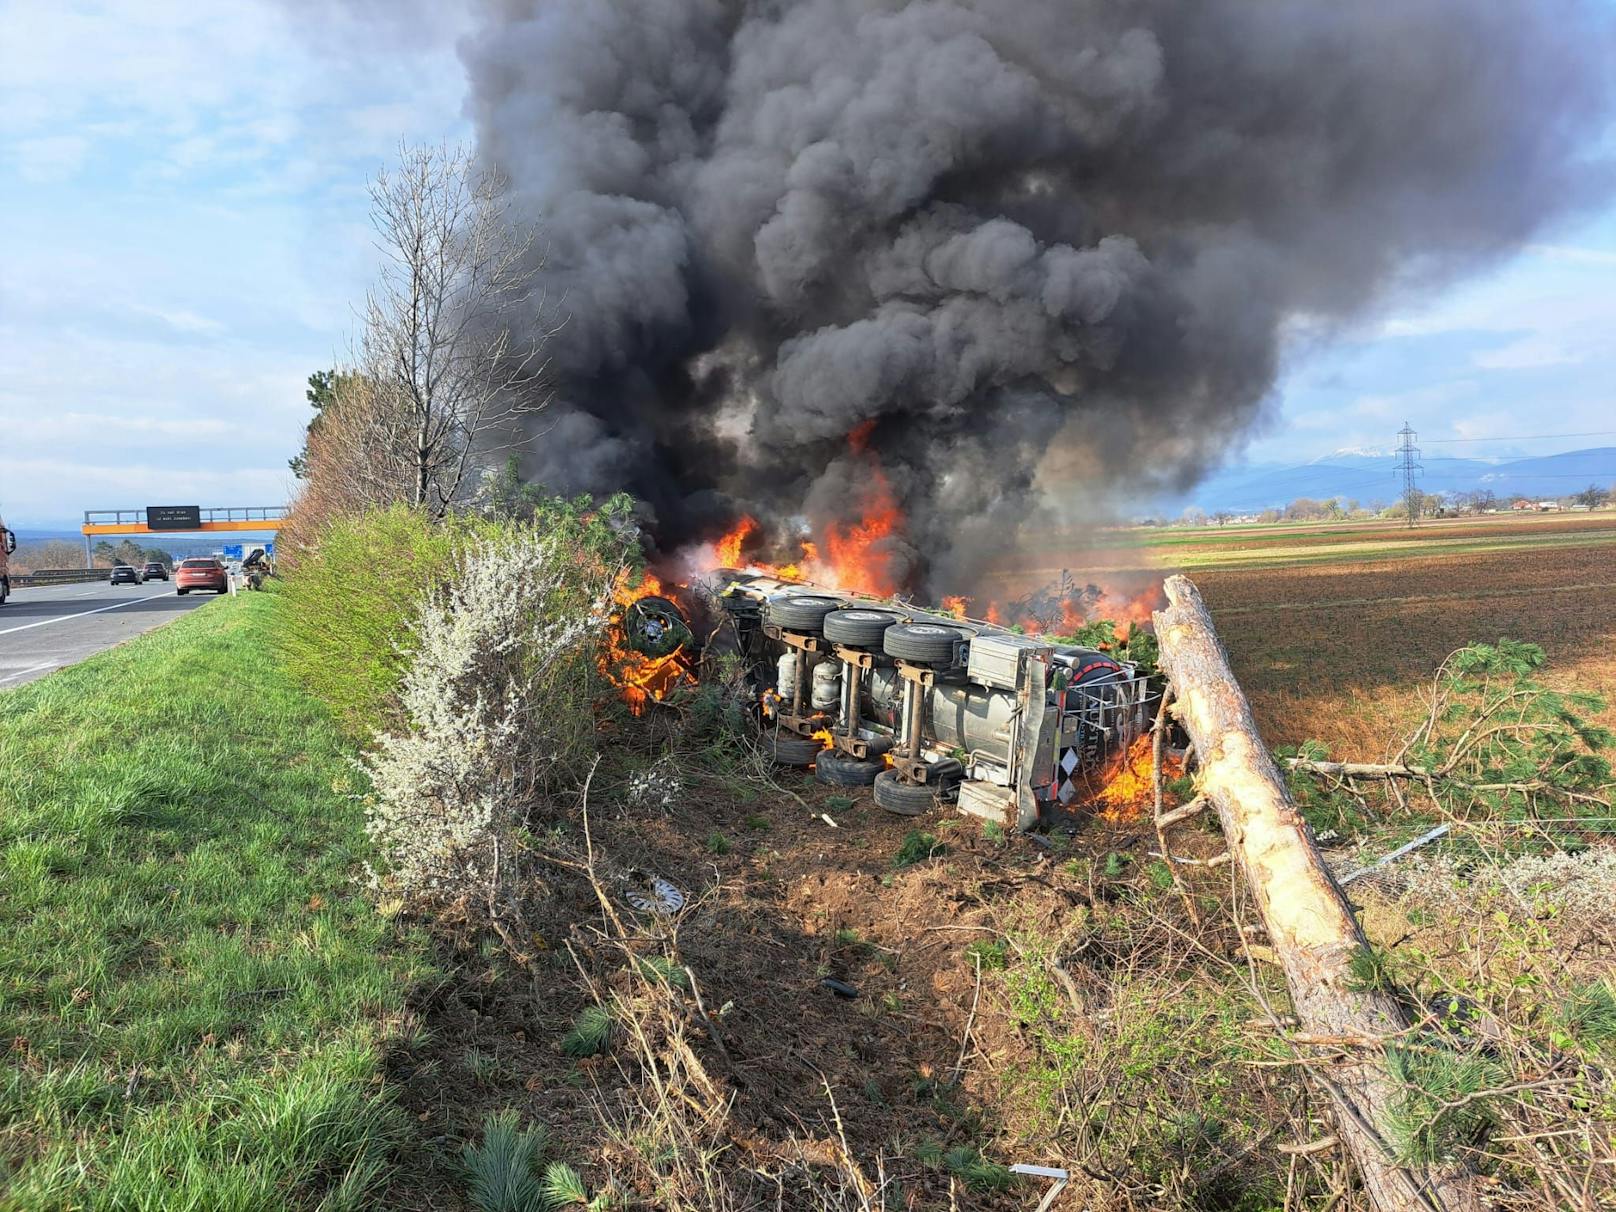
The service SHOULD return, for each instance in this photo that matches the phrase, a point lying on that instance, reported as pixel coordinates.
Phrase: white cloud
(51, 158)
(1572, 253)
(1395, 406)
(179, 319)
(1538, 349)
(32, 487)
(185, 234)
(101, 427)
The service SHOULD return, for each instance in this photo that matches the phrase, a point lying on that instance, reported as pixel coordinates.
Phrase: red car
(201, 573)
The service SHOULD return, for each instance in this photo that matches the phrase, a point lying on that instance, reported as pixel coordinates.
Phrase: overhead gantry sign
(180, 519)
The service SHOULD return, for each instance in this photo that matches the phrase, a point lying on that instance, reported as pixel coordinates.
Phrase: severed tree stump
(1310, 925)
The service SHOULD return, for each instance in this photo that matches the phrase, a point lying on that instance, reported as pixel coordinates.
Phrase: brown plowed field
(1338, 649)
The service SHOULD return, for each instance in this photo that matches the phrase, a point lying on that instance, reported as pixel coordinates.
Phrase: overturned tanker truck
(927, 708)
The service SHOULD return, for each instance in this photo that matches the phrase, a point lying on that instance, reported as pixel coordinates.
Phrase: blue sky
(183, 239)
(182, 230)
(1523, 348)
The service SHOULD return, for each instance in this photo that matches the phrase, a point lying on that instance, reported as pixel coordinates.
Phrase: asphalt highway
(45, 627)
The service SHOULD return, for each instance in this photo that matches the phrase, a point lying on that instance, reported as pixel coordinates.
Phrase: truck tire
(182, 592)
(838, 770)
(859, 627)
(802, 611)
(903, 799)
(928, 643)
(788, 749)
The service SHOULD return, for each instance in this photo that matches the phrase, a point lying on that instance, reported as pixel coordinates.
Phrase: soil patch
(782, 910)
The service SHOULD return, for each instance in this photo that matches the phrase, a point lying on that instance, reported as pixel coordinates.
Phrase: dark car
(123, 574)
(154, 571)
(203, 572)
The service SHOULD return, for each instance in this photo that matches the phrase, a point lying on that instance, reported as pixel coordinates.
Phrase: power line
(1548, 475)
(1527, 437)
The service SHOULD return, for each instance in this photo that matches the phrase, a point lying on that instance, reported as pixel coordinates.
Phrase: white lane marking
(22, 673)
(82, 614)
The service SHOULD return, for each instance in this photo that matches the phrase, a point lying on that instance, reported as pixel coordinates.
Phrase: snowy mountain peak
(1353, 452)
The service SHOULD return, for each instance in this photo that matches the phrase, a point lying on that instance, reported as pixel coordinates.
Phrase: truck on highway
(8, 544)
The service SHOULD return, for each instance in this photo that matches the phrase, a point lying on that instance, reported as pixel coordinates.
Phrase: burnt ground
(779, 902)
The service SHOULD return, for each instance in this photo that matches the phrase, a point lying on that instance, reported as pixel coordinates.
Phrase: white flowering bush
(496, 701)
(1576, 891)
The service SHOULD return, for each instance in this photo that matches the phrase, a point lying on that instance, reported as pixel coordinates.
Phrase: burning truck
(921, 707)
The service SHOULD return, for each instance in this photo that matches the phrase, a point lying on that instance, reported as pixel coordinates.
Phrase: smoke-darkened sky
(1035, 254)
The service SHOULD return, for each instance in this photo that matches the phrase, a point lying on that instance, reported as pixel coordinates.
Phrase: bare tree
(452, 339)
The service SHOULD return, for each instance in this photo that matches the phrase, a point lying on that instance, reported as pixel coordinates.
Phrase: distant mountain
(1369, 476)
(1552, 475)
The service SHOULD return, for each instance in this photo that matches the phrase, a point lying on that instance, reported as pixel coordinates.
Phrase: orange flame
(859, 438)
(641, 679)
(1135, 610)
(856, 556)
(1129, 789)
(1128, 612)
(798, 569)
(853, 555)
(729, 546)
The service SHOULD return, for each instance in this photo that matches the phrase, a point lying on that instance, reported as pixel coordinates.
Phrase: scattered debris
(664, 898)
(839, 988)
(1060, 1177)
(1322, 1145)
(1394, 855)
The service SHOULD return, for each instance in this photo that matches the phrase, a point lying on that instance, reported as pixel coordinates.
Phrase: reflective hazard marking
(1066, 775)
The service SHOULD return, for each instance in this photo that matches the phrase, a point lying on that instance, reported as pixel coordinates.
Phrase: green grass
(193, 989)
(917, 846)
(503, 1168)
(355, 599)
(591, 1033)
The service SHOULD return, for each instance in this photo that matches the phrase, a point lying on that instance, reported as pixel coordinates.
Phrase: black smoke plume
(1035, 252)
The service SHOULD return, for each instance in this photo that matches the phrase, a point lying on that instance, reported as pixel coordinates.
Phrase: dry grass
(1511, 962)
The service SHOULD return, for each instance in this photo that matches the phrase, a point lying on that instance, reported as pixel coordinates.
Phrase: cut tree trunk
(1309, 922)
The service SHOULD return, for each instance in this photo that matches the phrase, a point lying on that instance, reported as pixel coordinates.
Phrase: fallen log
(1309, 923)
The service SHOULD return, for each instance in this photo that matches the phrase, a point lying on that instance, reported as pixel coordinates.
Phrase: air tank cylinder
(827, 689)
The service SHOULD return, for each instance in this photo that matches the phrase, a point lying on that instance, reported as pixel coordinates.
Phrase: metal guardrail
(59, 576)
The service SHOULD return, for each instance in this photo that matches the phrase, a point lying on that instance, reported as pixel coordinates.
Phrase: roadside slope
(194, 991)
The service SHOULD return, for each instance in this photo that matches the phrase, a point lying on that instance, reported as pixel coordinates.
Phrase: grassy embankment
(194, 992)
